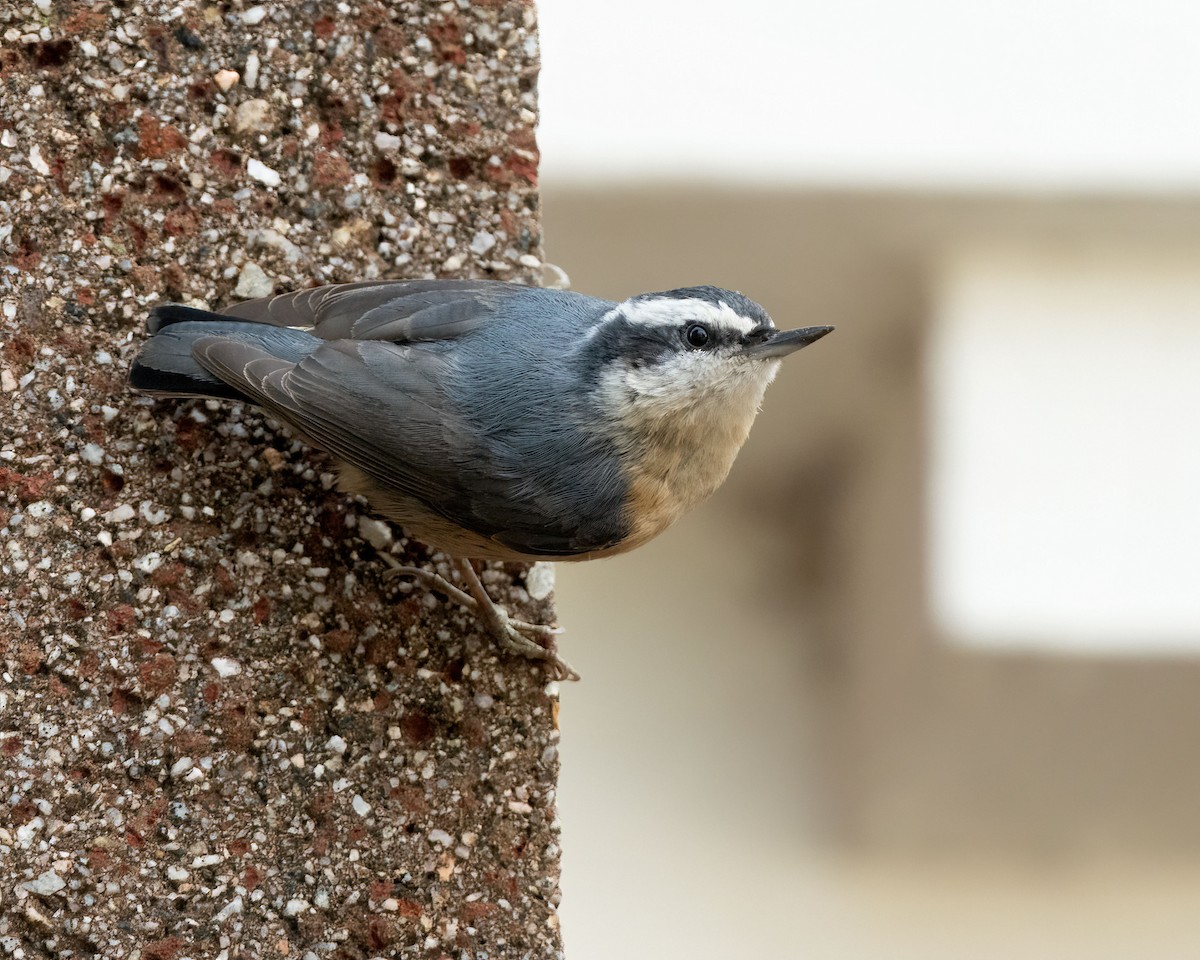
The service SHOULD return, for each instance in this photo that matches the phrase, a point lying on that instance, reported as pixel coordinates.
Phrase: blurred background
(922, 680)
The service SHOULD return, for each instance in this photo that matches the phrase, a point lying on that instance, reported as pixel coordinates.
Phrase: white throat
(682, 428)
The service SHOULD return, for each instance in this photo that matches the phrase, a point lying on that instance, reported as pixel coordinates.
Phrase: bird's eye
(696, 335)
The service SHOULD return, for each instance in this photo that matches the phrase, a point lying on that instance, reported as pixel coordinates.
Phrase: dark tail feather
(167, 366)
(166, 314)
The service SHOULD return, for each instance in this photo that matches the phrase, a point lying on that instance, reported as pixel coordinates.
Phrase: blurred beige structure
(778, 749)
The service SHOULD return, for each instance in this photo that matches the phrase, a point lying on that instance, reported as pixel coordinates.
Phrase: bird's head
(692, 354)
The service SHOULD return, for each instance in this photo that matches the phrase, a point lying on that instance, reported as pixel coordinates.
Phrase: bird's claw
(516, 636)
(556, 667)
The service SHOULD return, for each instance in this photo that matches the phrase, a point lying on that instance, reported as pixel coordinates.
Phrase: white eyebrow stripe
(670, 312)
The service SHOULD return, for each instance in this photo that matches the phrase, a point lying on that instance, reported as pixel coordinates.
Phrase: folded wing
(399, 311)
(383, 408)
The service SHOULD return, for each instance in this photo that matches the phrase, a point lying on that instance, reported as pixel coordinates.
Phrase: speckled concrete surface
(220, 734)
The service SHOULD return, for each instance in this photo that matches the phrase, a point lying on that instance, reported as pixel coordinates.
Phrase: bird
(493, 420)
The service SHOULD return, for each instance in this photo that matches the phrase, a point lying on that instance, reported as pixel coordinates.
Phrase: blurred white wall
(772, 669)
(1064, 390)
(1064, 93)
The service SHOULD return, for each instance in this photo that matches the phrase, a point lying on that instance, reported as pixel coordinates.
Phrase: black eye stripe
(635, 344)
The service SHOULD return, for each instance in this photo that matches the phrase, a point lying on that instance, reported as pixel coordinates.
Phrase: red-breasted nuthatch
(491, 420)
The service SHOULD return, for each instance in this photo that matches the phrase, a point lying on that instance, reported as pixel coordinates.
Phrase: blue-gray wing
(384, 409)
(399, 311)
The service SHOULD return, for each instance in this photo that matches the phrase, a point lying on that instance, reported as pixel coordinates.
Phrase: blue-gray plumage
(493, 420)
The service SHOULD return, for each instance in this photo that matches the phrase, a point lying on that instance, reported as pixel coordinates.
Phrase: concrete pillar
(221, 735)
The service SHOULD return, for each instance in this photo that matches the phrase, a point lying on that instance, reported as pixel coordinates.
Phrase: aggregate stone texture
(222, 734)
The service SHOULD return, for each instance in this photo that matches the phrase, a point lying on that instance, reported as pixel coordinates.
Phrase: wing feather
(380, 408)
(399, 311)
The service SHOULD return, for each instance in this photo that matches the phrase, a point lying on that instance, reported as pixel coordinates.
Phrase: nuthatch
(491, 420)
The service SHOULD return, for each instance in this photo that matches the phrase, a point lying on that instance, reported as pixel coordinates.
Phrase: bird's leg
(514, 635)
(435, 581)
(431, 580)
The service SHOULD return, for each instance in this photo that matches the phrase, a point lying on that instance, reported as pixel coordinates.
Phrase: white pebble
(377, 533)
(225, 79)
(148, 563)
(440, 837)
(227, 911)
(46, 884)
(92, 453)
(295, 907)
(482, 242)
(253, 283)
(37, 161)
(262, 173)
(178, 874)
(555, 277)
(361, 807)
(26, 831)
(120, 514)
(8, 383)
(181, 766)
(387, 142)
(336, 744)
(254, 16)
(252, 66)
(253, 115)
(226, 667)
(150, 514)
(539, 581)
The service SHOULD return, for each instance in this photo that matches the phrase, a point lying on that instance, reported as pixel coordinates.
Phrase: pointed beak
(784, 342)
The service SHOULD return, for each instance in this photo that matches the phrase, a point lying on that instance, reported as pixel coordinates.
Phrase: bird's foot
(511, 635)
(516, 636)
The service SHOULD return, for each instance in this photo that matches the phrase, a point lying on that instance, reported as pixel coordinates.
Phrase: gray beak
(784, 342)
